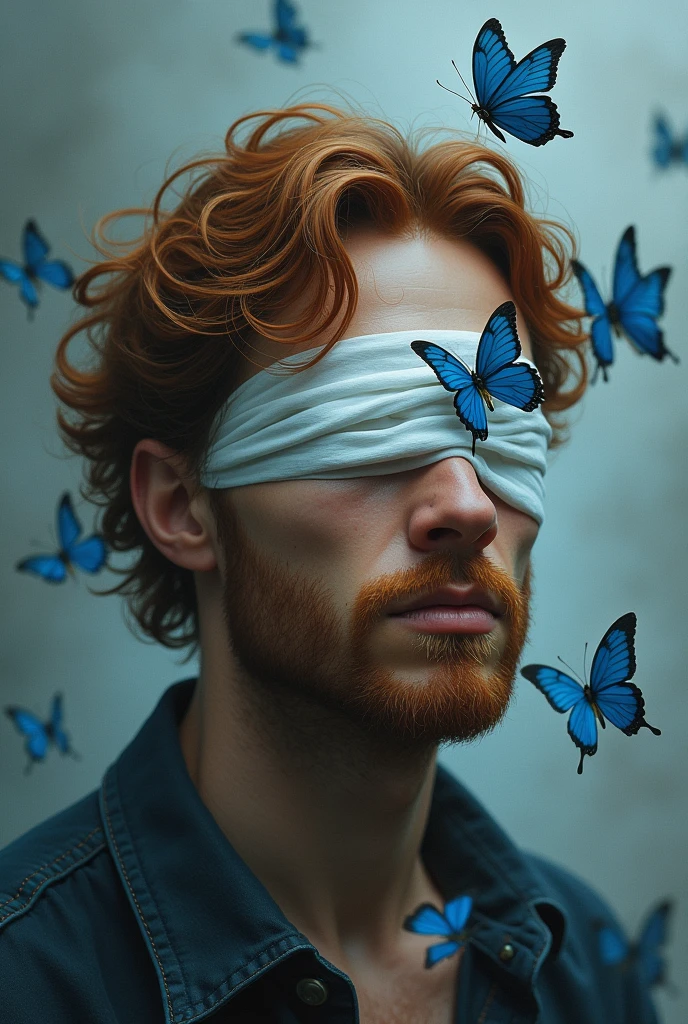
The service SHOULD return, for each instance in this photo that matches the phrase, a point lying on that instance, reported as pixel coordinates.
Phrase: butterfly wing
(639, 300)
(518, 384)
(559, 688)
(56, 730)
(68, 526)
(32, 729)
(56, 273)
(34, 245)
(492, 61)
(600, 331)
(427, 920)
(663, 148)
(620, 701)
(258, 40)
(614, 948)
(50, 568)
(652, 937)
(565, 694)
(11, 271)
(90, 554)
(440, 951)
(285, 16)
(457, 912)
(532, 119)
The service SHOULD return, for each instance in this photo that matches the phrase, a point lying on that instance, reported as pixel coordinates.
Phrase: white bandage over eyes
(372, 407)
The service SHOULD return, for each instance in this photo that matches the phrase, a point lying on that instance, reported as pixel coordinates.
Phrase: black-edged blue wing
(38, 734)
(647, 952)
(36, 267)
(503, 88)
(667, 148)
(637, 301)
(288, 38)
(496, 375)
(451, 924)
(609, 696)
(89, 555)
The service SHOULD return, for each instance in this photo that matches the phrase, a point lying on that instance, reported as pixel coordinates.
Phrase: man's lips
(468, 609)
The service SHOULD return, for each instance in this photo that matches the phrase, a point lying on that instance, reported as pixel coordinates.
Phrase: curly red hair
(171, 314)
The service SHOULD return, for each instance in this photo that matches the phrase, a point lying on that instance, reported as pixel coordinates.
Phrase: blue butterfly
(88, 555)
(636, 303)
(668, 149)
(40, 734)
(616, 951)
(287, 37)
(36, 267)
(608, 695)
(496, 373)
(427, 920)
(503, 88)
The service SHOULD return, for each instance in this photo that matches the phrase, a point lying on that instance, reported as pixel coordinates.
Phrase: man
(356, 580)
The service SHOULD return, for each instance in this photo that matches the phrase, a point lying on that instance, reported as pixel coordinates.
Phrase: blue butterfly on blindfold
(497, 375)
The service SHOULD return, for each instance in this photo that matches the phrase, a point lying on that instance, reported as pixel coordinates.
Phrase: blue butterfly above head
(668, 148)
(287, 38)
(38, 734)
(36, 267)
(503, 89)
(427, 920)
(88, 555)
(609, 695)
(645, 952)
(496, 375)
(636, 304)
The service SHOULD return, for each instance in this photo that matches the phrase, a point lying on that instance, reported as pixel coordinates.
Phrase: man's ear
(179, 524)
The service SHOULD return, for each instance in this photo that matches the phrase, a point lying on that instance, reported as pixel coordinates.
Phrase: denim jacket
(132, 907)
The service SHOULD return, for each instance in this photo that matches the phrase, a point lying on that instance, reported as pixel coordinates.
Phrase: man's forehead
(409, 283)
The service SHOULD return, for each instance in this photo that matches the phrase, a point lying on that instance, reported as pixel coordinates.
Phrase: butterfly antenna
(464, 84)
(571, 670)
(453, 93)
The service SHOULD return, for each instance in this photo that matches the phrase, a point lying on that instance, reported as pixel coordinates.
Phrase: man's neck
(328, 820)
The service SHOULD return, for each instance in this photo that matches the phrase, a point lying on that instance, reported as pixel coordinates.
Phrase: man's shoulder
(48, 854)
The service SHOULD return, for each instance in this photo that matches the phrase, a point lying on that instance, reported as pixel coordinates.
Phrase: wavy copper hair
(173, 312)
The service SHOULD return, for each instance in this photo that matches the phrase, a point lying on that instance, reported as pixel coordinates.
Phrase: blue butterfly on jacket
(636, 303)
(287, 38)
(38, 734)
(427, 920)
(88, 555)
(668, 148)
(496, 374)
(609, 695)
(503, 88)
(645, 951)
(36, 267)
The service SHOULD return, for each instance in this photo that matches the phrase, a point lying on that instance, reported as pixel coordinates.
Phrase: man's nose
(450, 510)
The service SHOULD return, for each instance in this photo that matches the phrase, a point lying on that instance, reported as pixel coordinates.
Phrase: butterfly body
(504, 89)
(636, 303)
(39, 735)
(89, 555)
(36, 267)
(497, 374)
(608, 697)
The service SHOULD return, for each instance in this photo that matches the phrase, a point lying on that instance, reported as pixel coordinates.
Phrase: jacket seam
(44, 867)
(138, 907)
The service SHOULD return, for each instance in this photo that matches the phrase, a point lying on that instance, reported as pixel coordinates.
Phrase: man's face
(318, 575)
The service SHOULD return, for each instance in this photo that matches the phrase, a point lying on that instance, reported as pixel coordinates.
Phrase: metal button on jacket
(507, 952)
(312, 991)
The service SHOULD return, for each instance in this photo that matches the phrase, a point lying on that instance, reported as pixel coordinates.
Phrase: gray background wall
(98, 97)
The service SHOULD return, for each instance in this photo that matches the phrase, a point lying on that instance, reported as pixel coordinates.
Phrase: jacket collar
(211, 926)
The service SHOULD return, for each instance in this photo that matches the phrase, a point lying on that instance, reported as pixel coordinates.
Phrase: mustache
(439, 570)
